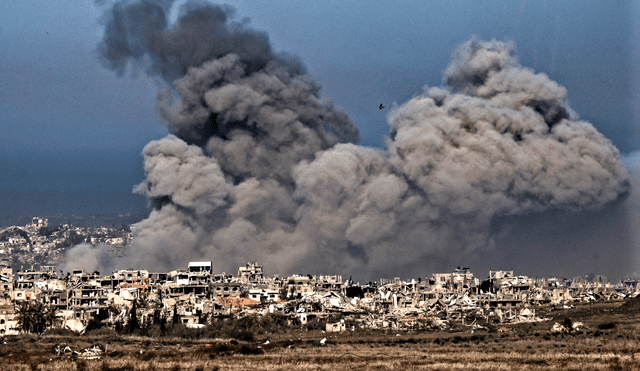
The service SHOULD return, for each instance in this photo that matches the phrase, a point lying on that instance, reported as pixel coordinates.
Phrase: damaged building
(196, 295)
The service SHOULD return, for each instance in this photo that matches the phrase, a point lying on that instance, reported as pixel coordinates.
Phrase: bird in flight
(381, 106)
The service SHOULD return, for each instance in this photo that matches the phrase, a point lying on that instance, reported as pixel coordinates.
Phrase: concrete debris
(75, 325)
(335, 327)
(578, 326)
(196, 296)
(558, 328)
(63, 349)
(93, 352)
(195, 325)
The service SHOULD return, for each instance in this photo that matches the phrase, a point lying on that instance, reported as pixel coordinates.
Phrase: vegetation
(35, 317)
(246, 328)
(609, 339)
(522, 348)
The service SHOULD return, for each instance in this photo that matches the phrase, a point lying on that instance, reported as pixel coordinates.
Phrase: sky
(73, 130)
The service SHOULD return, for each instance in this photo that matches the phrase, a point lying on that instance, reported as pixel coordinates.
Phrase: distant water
(85, 187)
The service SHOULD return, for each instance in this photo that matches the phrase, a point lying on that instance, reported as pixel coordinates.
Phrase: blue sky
(73, 131)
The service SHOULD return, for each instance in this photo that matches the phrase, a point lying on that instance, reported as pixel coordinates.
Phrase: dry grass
(508, 354)
(359, 359)
(610, 342)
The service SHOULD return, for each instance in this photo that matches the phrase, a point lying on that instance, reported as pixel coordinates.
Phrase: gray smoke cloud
(259, 166)
(90, 258)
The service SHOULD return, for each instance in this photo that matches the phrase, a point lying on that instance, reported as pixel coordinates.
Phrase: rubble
(196, 296)
(93, 352)
(63, 349)
(578, 326)
(558, 328)
(74, 325)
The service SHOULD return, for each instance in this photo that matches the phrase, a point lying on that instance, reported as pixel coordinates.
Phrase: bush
(27, 338)
(102, 331)
(219, 349)
(244, 335)
(61, 332)
(81, 365)
(607, 326)
(250, 350)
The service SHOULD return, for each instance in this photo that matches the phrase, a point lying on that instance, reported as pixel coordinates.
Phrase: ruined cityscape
(196, 295)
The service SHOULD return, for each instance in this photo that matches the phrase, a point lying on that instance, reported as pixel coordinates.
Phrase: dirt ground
(609, 340)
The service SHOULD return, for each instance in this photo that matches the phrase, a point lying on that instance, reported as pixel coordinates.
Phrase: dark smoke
(258, 166)
(139, 32)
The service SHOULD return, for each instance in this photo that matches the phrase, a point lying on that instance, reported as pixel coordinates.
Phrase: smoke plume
(90, 258)
(259, 167)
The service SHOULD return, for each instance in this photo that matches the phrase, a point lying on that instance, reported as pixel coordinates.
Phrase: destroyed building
(196, 295)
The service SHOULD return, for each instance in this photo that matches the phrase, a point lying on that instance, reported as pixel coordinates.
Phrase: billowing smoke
(259, 167)
(90, 258)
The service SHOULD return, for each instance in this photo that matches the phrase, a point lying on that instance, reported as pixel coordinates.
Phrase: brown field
(610, 341)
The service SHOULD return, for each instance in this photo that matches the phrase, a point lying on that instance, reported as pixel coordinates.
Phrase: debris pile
(196, 297)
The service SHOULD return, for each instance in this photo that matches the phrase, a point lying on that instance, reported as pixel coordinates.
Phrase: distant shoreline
(88, 220)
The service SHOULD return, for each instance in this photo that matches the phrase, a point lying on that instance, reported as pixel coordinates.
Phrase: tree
(97, 320)
(163, 324)
(133, 320)
(175, 318)
(200, 317)
(39, 315)
(25, 320)
(156, 316)
(50, 316)
(282, 295)
(32, 317)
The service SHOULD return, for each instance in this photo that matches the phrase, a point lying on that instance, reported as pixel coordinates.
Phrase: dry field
(610, 341)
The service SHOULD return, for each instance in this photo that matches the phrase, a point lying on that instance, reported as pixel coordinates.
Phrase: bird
(381, 106)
